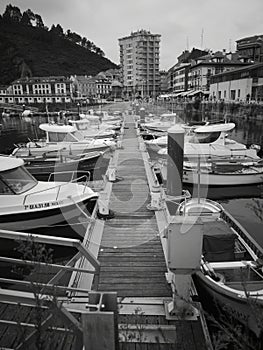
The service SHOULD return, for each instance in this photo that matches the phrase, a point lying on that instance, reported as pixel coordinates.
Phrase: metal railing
(58, 189)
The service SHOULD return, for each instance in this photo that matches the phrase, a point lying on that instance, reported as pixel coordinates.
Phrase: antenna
(202, 38)
(230, 45)
(187, 43)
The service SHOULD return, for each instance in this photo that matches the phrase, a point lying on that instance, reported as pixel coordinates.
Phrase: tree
(31, 15)
(25, 19)
(98, 51)
(39, 22)
(12, 13)
(56, 30)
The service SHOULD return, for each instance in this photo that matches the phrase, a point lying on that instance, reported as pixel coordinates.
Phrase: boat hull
(49, 221)
(227, 301)
(190, 177)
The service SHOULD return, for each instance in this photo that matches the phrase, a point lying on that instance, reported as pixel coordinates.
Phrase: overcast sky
(213, 24)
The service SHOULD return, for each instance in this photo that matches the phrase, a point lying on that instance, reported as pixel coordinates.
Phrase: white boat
(63, 137)
(90, 129)
(166, 121)
(223, 173)
(102, 117)
(212, 141)
(28, 204)
(231, 273)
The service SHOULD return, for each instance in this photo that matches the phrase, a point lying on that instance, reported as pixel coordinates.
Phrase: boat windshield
(206, 137)
(16, 181)
(64, 136)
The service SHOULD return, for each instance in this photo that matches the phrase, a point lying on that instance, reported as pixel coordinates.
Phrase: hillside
(36, 51)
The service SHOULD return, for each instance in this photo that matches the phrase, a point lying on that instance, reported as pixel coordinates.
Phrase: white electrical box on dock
(185, 237)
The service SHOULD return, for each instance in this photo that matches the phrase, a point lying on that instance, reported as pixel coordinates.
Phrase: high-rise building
(139, 60)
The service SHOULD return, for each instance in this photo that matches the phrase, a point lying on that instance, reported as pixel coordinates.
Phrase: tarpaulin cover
(218, 241)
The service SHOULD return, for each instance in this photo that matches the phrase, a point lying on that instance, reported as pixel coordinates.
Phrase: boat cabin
(61, 133)
(14, 178)
(210, 133)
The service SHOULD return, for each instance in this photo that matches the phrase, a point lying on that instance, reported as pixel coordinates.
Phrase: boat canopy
(57, 128)
(8, 163)
(215, 128)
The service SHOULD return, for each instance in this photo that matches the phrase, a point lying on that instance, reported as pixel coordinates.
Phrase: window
(233, 94)
(16, 181)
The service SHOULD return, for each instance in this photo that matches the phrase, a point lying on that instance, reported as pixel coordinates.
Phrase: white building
(203, 68)
(139, 59)
(36, 90)
(243, 84)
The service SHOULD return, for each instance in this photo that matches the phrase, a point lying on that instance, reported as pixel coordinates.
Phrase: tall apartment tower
(139, 60)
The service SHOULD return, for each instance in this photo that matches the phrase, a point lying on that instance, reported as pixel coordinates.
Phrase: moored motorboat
(231, 273)
(52, 165)
(212, 141)
(166, 121)
(89, 130)
(27, 204)
(67, 139)
(223, 173)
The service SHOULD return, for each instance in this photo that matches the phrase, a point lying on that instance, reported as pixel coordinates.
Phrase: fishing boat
(27, 204)
(58, 164)
(231, 272)
(66, 138)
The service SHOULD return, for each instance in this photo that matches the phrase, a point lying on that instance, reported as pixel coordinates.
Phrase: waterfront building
(83, 86)
(38, 90)
(139, 59)
(178, 78)
(243, 84)
(103, 85)
(204, 67)
(251, 48)
(116, 90)
(163, 81)
(178, 73)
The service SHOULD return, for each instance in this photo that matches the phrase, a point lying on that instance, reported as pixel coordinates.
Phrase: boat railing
(217, 158)
(82, 179)
(243, 233)
(56, 174)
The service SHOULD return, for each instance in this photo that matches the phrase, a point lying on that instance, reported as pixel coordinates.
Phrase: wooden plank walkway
(131, 255)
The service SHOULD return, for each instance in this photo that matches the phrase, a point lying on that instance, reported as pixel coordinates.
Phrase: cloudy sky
(213, 24)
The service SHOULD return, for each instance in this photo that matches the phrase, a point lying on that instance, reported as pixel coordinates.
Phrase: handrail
(258, 250)
(58, 188)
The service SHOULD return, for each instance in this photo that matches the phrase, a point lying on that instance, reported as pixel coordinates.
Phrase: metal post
(175, 164)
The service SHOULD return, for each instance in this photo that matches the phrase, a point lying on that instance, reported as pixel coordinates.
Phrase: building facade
(139, 60)
(251, 48)
(204, 67)
(38, 90)
(178, 77)
(244, 84)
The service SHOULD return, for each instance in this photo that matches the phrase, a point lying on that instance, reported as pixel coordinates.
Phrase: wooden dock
(131, 255)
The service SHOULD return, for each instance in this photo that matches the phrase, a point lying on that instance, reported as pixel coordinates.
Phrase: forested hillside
(29, 48)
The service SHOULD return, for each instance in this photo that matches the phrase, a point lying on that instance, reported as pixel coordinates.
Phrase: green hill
(28, 50)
